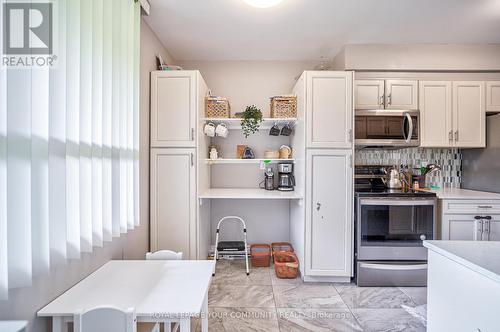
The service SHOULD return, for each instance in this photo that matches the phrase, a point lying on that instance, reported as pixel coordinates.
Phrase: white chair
(107, 319)
(164, 255)
(13, 326)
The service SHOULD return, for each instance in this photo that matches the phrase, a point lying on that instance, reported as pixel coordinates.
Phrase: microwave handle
(410, 126)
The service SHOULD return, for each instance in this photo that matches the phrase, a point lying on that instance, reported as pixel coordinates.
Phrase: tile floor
(262, 302)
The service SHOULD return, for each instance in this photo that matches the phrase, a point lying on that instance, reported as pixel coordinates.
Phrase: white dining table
(159, 291)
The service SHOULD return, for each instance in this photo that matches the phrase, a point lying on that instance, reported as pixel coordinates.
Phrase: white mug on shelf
(214, 154)
(222, 130)
(209, 129)
(285, 152)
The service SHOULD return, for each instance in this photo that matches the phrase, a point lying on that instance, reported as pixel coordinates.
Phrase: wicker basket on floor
(281, 246)
(260, 255)
(286, 265)
(284, 107)
(217, 107)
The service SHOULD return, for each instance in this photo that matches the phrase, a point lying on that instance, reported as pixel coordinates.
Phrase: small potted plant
(252, 117)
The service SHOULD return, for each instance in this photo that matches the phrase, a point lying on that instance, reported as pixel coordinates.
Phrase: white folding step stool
(234, 248)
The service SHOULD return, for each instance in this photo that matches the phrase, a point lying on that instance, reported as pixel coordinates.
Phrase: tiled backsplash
(450, 161)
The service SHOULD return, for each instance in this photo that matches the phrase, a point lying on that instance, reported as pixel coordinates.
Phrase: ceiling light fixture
(263, 3)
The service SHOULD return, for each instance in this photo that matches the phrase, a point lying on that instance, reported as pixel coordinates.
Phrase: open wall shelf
(249, 193)
(235, 123)
(247, 161)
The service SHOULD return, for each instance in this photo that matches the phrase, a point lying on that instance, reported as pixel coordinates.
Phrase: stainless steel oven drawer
(417, 252)
(391, 274)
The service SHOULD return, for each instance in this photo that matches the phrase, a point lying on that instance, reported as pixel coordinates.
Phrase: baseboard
(326, 279)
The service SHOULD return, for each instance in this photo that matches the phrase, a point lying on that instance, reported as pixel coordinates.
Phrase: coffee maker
(286, 181)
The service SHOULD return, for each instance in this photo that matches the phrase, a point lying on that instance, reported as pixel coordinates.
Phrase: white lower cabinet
(173, 201)
(461, 227)
(494, 228)
(329, 216)
(470, 220)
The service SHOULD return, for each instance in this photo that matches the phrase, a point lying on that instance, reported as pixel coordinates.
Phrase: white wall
(23, 303)
(416, 57)
(481, 166)
(249, 82)
(150, 47)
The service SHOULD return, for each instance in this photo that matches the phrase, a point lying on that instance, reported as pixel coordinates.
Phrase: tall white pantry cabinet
(325, 100)
(177, 98)
(321, 208)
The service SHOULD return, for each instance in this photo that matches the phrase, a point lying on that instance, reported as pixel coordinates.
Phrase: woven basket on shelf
(286, 265)
(217, 107)
(284, 107)
(260, 255)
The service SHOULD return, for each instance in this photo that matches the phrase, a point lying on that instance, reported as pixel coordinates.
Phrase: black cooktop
(385, 192)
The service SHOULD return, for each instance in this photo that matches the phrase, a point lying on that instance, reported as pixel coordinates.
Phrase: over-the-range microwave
(387, 128)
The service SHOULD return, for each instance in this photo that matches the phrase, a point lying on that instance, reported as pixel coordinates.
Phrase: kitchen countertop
(457, 193)
(480, 256)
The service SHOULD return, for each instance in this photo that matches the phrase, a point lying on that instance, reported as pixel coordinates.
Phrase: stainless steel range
(390, 227)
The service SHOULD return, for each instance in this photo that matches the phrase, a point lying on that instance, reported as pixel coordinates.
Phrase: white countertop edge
(434, 246)
(465, 194)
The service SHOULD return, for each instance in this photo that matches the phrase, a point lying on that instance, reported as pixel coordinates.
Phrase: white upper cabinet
(436, 114)
(402, 95)
(174, 106)
(369, 94)
(329, 211)
(386, 94)
(493, 96)
(329, 109)
(469, 114)
(453, 114)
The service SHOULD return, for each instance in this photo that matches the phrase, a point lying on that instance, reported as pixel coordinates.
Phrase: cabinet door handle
(318, 206)
(389, 99)
(350, 135)
(485, 207)
(192, 134)
(382, 97)
(450, 135)
(191, 156)
(456, 136)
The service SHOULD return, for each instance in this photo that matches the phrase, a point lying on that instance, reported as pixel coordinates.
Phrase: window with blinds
(69, 141)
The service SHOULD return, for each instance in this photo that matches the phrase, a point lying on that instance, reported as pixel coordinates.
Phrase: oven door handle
(397, 267)
(395, 202)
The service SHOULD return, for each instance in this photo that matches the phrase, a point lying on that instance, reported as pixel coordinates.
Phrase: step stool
(233, 248)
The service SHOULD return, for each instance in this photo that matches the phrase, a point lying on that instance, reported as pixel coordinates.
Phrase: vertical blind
(69, 141)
